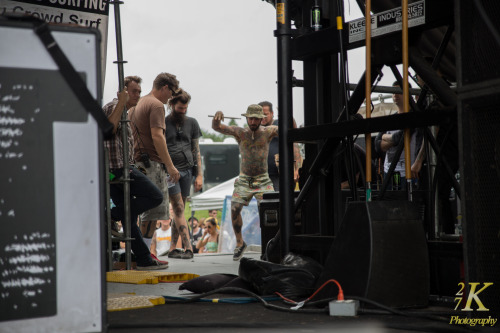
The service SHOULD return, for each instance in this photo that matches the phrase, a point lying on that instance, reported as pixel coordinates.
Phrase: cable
(340, 295)
(388, 310)
(243, 291)
(298, 305)
(233, 300)
(298, 308)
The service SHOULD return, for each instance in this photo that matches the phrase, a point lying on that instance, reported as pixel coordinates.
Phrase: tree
(216, 137)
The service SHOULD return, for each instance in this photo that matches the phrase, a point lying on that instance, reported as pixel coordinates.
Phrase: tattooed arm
(221, 128)
(274, 131)
(153, 244)
(116, 114)
(195, 148)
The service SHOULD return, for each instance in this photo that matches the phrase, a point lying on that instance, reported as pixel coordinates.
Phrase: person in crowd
(209, 242)
(182, 134)
(151, 152)
(197, 232)
(162, 237)
(387, 141)
(272, 158)
(144, 195)
(203, 225)
(253, 179)
(213, 213)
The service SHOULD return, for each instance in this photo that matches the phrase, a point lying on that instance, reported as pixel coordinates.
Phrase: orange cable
(340, 295)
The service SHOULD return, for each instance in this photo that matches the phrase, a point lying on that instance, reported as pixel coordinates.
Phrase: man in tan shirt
(151, 153)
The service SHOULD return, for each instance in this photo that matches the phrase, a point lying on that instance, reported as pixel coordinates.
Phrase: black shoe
(153, 265)
(238, 252)
(187, 255)
(175, 254)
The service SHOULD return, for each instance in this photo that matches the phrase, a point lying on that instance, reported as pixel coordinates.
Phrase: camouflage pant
(246, 187)
(158, 176)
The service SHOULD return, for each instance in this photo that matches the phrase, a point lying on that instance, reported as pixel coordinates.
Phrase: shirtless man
(253, 179)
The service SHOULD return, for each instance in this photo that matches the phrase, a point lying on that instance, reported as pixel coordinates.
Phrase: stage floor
(248, 317)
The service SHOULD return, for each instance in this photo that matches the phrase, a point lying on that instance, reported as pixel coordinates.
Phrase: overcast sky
(223, 52)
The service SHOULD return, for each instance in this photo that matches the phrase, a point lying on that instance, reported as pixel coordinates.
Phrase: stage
(220, 317)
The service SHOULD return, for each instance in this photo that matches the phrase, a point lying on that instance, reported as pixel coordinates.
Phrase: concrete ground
(201, 264)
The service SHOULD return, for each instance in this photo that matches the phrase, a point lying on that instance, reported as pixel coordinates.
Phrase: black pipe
(344, 82)
(124, 122)
(317, 168)
(435, 63)
(285, 120)
(431, 78)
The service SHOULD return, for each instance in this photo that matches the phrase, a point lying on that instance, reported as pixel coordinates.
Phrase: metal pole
(350, 145)
(285, 121)
(406, 99)
(124, 127)
(368, 92)
(108, 213)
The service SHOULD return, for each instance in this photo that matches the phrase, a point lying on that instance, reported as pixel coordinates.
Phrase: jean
(144, 195)
(183, 186)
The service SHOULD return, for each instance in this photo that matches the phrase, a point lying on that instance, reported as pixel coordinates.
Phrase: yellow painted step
(120, 302)
(143, 277)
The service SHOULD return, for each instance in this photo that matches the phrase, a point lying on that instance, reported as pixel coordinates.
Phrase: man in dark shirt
(182, 133)
(272, 168)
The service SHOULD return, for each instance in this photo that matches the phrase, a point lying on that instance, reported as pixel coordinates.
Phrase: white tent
(213, 198)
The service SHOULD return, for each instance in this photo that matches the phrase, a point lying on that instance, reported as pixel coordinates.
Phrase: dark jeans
(144, 195)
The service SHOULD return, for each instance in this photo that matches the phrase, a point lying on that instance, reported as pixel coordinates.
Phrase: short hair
(266, 103)
(164, 79)
(132, 78)
(396, 83)
(181, 97)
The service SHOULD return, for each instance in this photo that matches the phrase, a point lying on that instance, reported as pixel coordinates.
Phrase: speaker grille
(480, 136)
(481, 168)
(480, 58)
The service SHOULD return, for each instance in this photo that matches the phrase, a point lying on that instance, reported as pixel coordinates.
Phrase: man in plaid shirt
(144, 195)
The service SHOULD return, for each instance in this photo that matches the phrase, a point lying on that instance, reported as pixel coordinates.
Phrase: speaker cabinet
(479, 139)
(270, 223)
(380, 253)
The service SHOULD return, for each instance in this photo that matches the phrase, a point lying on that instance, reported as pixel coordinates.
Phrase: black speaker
(380, 253)
(270, 224)
(479, 133)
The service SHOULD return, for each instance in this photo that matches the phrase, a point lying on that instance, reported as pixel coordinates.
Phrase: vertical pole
(124, 126)
(406, 99)
(108, 212)
(285, 121)
(368, 92)
(343, 80)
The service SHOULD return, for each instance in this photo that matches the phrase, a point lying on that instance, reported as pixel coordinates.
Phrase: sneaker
(164, 253)
(187, 255)
(238, 252)
(176, 254)
(151, 266)
(161, 261)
